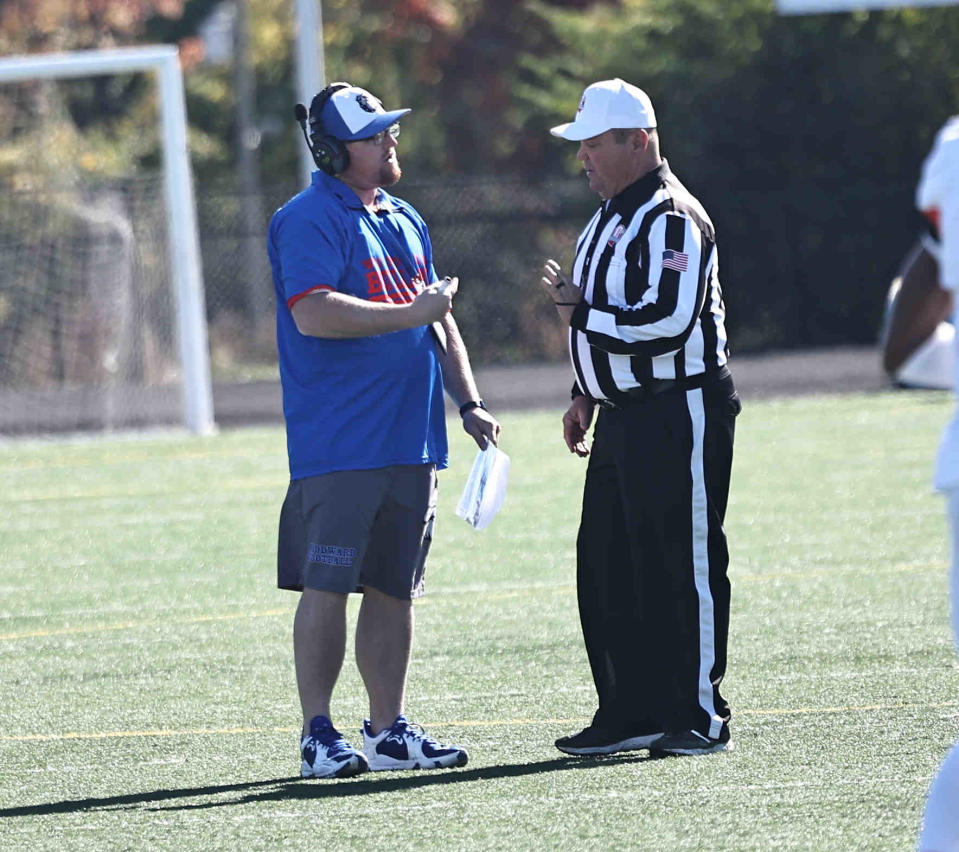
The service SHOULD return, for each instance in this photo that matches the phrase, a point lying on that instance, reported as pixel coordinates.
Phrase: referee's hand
(576, 422)
(563, 292)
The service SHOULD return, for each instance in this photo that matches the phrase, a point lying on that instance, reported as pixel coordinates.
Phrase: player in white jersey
(938, 198)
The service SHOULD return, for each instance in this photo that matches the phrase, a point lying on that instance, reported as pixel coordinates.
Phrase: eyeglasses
(380, 137)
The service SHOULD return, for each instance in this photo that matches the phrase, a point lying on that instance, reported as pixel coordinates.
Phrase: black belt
(655, 387)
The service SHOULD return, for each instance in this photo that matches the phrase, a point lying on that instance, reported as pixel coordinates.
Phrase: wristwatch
(469, 406)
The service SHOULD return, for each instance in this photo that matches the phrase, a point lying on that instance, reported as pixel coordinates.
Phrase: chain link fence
(795, 274)
(88, 334)
(492, 233)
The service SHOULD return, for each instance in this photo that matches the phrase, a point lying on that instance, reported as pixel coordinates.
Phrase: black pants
(652, 560)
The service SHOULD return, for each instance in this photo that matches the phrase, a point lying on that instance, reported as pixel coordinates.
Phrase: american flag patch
(675, 260)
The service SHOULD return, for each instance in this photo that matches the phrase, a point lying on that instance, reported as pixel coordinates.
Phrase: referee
(648, 346)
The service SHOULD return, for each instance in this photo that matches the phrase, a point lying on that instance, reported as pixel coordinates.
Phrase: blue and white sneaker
(406, 746)
(327, 755)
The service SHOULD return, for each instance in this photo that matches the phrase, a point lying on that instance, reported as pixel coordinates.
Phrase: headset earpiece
(329, 153)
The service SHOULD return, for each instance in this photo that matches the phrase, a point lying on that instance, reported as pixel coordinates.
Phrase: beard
(390, 173)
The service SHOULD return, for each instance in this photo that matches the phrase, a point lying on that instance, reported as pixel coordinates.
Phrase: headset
(329, 153)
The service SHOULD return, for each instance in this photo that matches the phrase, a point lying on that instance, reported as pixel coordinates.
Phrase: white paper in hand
(485, 487)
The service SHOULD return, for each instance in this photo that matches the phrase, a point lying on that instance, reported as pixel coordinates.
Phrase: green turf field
(147, 696)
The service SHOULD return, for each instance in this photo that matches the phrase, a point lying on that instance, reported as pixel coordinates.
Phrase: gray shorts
(345, 530)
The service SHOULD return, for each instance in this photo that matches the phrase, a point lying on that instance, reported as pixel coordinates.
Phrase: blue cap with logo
(352, 113)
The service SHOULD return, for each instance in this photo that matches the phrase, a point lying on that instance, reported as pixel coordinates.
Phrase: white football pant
(940, 828)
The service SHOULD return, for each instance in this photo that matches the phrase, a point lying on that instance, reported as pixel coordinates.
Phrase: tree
(803, 136)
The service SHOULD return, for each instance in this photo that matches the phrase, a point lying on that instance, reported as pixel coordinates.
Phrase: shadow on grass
(293, 788)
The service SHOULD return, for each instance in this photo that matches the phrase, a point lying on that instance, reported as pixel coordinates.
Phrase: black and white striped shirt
(653, 307)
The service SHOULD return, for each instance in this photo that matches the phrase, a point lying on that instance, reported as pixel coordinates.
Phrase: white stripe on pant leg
(700, 526)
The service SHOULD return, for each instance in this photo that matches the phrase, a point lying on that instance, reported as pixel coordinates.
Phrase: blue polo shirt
(363, 402)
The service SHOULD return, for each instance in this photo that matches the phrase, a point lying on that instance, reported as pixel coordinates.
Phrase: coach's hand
(435, 301)
(576, 422)
(482, 427)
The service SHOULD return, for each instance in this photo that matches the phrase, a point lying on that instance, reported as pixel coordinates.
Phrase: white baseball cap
(352, 113)
(608, 105)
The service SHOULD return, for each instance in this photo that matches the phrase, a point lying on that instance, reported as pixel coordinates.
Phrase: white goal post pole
(310, 70)
(816, 7)
(185, 251)
(178, 187)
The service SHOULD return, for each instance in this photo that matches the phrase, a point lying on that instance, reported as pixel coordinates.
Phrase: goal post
(815, 7)
(183, 242)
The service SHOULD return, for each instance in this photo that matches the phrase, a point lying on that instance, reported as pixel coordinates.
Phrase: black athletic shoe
(691, 742)
(597, 740)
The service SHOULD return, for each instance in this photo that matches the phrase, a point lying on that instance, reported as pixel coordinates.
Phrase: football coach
(367, 346)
